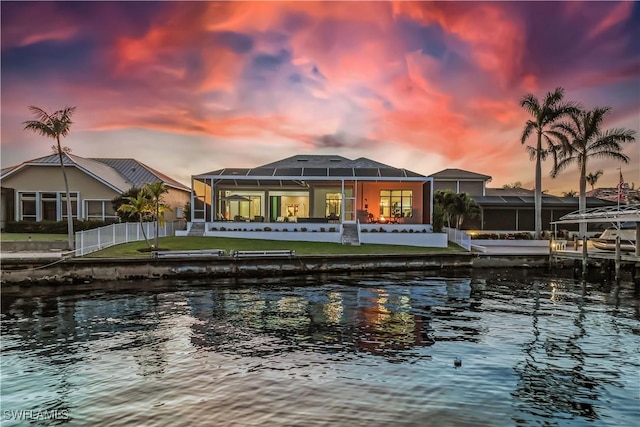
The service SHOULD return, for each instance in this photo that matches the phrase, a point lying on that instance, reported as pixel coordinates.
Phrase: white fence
(459, 237)
(100, 238)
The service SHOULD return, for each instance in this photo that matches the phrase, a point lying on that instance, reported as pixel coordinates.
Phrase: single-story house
(507, 209)
(309, 193)
(34, 190)
(313, 188)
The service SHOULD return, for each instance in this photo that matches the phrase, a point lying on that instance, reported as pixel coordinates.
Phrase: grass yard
(302, 248)
(36, 237)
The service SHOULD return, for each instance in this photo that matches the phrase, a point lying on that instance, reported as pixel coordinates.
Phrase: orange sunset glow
(190, 87)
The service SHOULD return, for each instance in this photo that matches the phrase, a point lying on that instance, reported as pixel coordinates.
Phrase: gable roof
(102, 170)
(308, 166)
(459, 174)
(138, 174)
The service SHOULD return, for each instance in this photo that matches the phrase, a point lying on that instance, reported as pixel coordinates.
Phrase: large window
(99, 210)
(74, 205)
(27, 205)
(45, 206)
(396, 203)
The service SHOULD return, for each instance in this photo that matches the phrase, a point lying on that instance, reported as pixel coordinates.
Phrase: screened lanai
(311, 188)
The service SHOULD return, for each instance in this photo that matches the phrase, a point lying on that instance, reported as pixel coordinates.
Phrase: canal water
(365, 350)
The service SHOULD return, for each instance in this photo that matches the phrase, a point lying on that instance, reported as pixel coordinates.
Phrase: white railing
(100, 238)
(459, 237)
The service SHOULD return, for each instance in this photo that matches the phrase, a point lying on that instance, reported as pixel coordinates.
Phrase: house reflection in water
(362, 318)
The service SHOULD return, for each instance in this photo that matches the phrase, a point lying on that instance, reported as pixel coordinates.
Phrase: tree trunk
(538, 191)
(70, 242)
(582, 201)
(144, 234)
(157, 222)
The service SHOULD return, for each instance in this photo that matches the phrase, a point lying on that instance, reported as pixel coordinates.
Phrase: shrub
(223, 229)
(364, 230)
(303, 229)
(402, 231)
(267, 229)
(214, 228)
(322, 229)
(332, 229)
(53, 227)
(394, 231)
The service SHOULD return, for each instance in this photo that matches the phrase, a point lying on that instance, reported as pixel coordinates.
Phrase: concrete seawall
(86, 270)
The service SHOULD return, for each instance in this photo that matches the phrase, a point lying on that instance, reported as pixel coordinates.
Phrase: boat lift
(611, 214)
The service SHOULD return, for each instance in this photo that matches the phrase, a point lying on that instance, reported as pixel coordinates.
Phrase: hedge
(52, 227)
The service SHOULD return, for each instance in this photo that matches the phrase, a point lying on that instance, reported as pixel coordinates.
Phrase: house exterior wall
(472, 188)
(444, 185)
(176, 199)
(49, 178)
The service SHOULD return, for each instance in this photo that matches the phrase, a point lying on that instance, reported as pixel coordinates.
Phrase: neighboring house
(460, 181)
(313, 188)
(509, 209)
(34, 190)
(629, 195)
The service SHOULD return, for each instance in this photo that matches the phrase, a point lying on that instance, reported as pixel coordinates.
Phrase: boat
(607, 240)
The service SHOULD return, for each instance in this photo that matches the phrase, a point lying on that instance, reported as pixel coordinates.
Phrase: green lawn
(36, 237)
(301, 248)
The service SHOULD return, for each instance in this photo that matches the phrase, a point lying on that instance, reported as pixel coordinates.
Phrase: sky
(191, 87)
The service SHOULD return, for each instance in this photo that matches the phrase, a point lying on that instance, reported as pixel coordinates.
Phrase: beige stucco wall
(49, 178)
(175, 199)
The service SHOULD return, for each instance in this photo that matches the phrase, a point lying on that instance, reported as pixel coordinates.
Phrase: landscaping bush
(267, 229)
(53, 227)
(303, 229)
(332, 229)
(322, 229)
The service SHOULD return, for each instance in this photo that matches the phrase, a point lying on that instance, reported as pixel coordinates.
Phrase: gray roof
(508, 192)
(458, 174)
(138, 174)
(548, 201)
(119, 174)
(318, 167)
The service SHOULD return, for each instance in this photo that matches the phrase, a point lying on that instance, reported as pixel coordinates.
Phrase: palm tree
(592, 178)
(513, 185)
(139, 206)
(583, 139)
(570, 193)
(544, 115)
(155, 191)
(55, 125)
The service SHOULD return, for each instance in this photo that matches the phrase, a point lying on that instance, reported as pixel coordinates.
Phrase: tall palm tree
(139, 206)
(155, 191)
(544, 116)
(55, 125)
(593, 177)
(583, 139)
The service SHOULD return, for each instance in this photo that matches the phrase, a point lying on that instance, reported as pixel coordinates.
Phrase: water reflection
(361, 317)
(535, 351)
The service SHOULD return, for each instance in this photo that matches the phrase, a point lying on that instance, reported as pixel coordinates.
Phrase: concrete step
(197, 229)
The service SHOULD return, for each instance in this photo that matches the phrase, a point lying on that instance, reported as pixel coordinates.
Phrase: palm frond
(530, 103)
(529, 127)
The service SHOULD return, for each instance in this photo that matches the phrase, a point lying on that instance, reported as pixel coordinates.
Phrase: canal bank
(53, 270)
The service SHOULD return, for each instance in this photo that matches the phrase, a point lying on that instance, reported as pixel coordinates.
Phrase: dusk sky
(190, 87)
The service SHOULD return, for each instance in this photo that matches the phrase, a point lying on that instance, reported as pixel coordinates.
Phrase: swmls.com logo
(35, 415)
